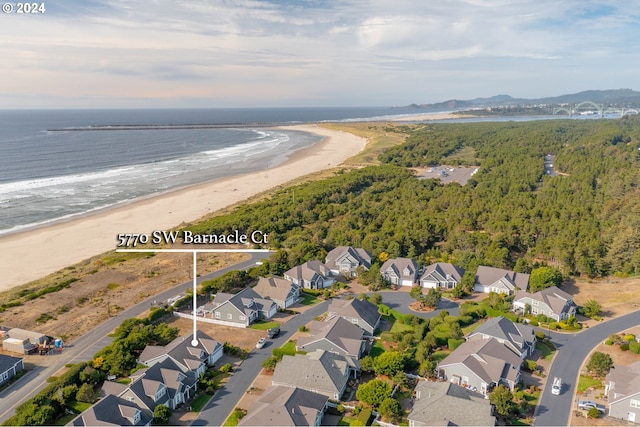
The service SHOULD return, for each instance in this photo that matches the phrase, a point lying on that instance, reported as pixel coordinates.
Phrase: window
(354, 320)
(136, 417)
(535, 302)
(229, 316)
(130, 398)
(5, 376)
(635, 403)
(243, 318)
(217, 314)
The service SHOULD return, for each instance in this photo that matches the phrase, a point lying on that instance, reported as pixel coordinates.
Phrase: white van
(557, 386)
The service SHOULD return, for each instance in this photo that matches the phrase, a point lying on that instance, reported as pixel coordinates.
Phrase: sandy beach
(32, 254)
(428, 116)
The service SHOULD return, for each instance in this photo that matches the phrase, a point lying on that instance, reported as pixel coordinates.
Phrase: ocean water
(53, 166)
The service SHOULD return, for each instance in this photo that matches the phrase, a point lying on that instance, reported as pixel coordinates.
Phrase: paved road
(86, 346)
(573, 349)
(227, 398)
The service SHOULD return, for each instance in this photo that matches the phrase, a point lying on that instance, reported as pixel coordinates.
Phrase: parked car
(557, 386)
(261, 342)
(272, 333)
(588, 404)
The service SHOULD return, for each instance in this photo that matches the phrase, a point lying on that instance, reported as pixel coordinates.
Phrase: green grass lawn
(78, 407)
(377, 349)
(400, 327)
(263, 326)
(289, 348)
(547, 351)
(586, 381)
(233, 418)
(308, 299)
(199, 402)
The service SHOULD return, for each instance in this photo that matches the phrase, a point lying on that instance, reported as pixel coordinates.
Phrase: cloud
(256, 52)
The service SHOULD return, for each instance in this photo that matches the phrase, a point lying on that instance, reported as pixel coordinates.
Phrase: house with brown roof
(552, 302)
(286, 406)
(441, 275)
(346, 259)
(400, 271)
(622, 388)
(481, 365)
(281, 291)
(336, 335)
(361, 313)
(448, 404)
(310, 275)
(500, 281)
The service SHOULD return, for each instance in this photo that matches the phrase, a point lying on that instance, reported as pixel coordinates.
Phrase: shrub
(608, 342)
(531, 365)
(634, 347)
(624, 346)
(540, 335)
(629, 337)
(593, 413)
(364, 415)
(227, 367)
(302, 329)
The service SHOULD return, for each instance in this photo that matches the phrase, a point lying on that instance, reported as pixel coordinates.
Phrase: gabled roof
(355, 308)
(398, 267)
(520, 336)
(444, 403)
(112, 410)
(285, 406)
(554, 297)
(442, 270)
(8, 362)
(182, 351)
(275, 288)
(246, 301)
(487, 276)
(337, 254)
(488, 359)
(338, 332)
(319, 370)
(626, 380)
(308, 270)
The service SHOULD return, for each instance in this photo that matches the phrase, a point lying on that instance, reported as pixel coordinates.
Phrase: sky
(313, 53)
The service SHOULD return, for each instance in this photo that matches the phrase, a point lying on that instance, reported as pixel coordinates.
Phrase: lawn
(263, 326)
(78, 407)
(200, 401)
(289, 348)
(308, 299)
(586, 382)
(546, 350)
(400, 327)
(377, 349)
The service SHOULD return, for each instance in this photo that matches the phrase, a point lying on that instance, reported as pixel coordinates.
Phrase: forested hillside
(510, 214)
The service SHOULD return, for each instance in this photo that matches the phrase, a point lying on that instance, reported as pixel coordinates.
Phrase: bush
(227, 367)
(453, 343)
(608, 342)
(593, 413)
(364, 415)
(624, 346)
(629, 337)
(302, 329)
(531, 365)
(634, 347)
(540, 335)
(269, 364)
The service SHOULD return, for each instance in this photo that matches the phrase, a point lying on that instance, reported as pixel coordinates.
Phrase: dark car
(272, 333)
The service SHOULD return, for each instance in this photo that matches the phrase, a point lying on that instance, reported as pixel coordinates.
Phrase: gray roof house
(441, 275)
(346, 259)
(552, 302)
(184, 353)
(241, 309)
(286, 406)
(622, 387)
(520, 338)
(500, 281)
(481, 365)
(445, 403)
(336, 335)
(282, 291)
(9, 367)
(310, 275)
(320, 372)
(359, 312)
(113, 411)
(400, 271)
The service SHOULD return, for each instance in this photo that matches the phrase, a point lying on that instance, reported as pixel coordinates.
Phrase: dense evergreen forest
(510, 214)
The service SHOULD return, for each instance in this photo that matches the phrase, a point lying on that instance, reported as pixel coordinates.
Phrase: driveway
(572, 350)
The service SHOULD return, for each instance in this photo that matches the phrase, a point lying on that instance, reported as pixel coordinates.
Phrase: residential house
(336, 335)
(280, 290)
(321, 372)
(441, 275)
(400, 271)
(182, 351)
(500, 281)
(241, 309)
(359, 312)
(286, 406)
(481, 365)
(445, 403)
(622, 388)
(9, 367)
(518, 337)
(161, 384)
(346, 259)
(551, 301)
(311, 275)
(113, 411)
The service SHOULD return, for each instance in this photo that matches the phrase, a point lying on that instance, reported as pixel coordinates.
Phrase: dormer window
(136, 417)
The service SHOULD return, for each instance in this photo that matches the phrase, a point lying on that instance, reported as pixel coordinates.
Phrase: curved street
(572, 350)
